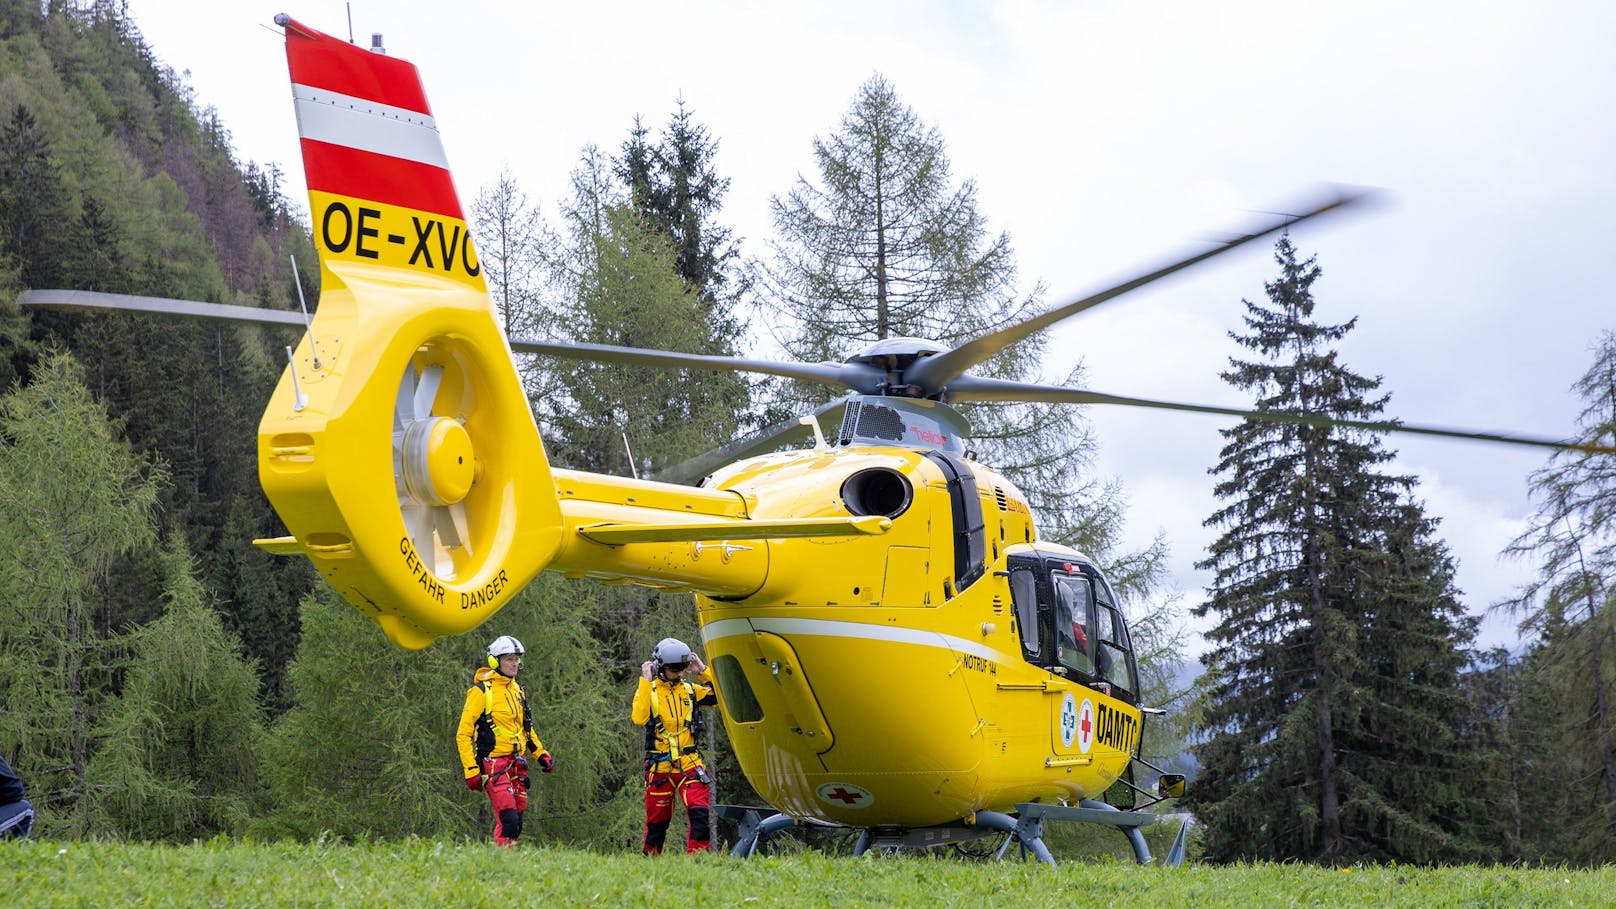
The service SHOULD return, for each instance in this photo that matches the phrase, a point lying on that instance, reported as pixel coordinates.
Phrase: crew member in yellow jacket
(665, 705)
(496, 737)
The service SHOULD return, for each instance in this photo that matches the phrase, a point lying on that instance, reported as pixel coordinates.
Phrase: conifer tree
(368, 748)
(34, 207)
(617, 284)
(177, 753)
(1331, 695)
(887, 245)
(511, 238)
(1569, 606)
(73, 498)
(674, 184)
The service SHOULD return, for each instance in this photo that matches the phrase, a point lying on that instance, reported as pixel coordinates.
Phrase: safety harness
(487, 734)
(695, 723)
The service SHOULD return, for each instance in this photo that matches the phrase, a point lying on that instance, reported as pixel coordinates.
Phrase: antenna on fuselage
(628, 448)
(812, 421)
(308, 323)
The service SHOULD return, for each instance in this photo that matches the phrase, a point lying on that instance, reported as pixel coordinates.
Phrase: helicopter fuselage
(908, 678)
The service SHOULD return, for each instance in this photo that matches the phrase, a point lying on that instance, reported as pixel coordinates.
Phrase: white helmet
(503, 645)
(670, 652)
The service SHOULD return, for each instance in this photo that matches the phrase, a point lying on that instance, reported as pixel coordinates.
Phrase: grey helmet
(670, 652)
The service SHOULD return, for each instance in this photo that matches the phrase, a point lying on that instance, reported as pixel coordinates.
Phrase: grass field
(43, 873)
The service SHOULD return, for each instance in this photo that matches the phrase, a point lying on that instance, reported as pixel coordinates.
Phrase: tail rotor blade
(450, 522)
(427, 391)
(404, 410)
(418, 522)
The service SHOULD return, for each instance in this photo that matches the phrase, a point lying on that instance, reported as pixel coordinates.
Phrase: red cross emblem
(1085, 726)
(845, 795)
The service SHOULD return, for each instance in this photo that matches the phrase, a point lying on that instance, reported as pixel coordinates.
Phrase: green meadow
(44, 873)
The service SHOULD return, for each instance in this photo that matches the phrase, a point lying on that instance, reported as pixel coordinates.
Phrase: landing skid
(1025, 828)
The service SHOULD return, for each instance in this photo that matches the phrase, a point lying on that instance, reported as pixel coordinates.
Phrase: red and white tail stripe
(378, 179)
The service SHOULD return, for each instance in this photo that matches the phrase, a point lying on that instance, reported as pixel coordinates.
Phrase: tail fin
(399, 447)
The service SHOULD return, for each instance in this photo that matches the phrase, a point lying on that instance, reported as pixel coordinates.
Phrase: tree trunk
(79, 722)
(1602, 716)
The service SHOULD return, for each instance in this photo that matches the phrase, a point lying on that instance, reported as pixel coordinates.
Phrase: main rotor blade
(974, 388)
(936, 372)
(755, 443)
(857, 376)
(89, 300)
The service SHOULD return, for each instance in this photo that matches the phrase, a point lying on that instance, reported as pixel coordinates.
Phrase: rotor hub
(439, 463)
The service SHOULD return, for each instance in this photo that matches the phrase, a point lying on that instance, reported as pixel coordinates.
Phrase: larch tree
(368, 748)
(1331, 699)
(1571, 608)
(886, 244)
(74, 499)
(177, 755)
(511, 238)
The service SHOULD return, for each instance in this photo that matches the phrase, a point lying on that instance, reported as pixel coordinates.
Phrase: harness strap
(671, 755)
(488, 712)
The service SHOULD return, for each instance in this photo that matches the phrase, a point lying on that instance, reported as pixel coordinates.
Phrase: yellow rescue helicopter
(895, 648)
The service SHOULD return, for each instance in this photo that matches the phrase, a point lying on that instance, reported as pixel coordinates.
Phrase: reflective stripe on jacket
(674, 705)
(502, 701)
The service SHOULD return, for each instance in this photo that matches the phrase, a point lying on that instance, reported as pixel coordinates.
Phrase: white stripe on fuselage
(339, 119)
(725, 628)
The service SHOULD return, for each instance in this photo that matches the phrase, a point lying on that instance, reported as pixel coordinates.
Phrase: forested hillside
(113, 181)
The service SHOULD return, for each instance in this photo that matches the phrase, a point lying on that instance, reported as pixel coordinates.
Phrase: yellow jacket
(505, 703)
(674, 706)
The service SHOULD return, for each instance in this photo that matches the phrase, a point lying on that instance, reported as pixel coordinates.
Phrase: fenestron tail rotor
(434, 467)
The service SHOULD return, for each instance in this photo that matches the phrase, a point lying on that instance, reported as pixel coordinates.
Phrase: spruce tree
(1331, 700)
(674, 184)
(34, 207)
(617, 283)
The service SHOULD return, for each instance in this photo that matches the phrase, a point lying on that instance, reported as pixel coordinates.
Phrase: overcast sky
(1103, 136)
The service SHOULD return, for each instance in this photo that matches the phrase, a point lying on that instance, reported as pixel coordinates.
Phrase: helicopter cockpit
(1070, 622)
(910, 422)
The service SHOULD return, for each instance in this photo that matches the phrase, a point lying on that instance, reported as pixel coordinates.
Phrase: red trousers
(660, 790)
(506, 785)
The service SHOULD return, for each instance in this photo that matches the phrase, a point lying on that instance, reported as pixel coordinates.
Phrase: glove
(475, 783)
(546, 762)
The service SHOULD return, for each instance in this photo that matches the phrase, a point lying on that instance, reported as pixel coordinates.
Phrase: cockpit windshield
(910, 422)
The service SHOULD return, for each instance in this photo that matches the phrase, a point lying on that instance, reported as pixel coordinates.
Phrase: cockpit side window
(1074, 606)
(1113, 650)
(1024, 594)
